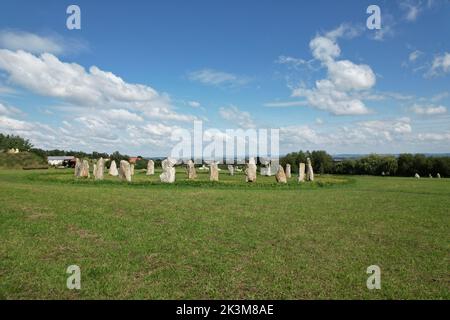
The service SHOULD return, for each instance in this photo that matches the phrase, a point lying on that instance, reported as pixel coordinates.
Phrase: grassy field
(227, 240)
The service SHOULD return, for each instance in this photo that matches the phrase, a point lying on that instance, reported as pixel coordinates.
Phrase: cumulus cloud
(98, 109)
(338, 93)
(217, 78)
(242, 118)
(46, 75)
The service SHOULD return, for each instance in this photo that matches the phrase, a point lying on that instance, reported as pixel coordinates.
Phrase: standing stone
(99, 169)
(309, 170)
(417, 176)
(150, 168)
(78, 165)
(132, 169)
(231, 170)
(190, 168)
(288, 171)
(213, 172)
(250, 172)
(301, 172)
(125, 170)
(85, 169)
(438, 176)
(113, 169)
(266, 167)
(280, 176)
(168, 174)
(94, 169)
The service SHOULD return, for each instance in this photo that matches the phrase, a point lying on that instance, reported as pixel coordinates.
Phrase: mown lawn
(226, 240)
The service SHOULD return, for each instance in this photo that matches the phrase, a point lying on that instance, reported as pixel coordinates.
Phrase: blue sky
(137, 72)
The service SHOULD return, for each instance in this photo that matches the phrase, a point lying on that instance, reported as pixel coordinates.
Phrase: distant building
(60, 160)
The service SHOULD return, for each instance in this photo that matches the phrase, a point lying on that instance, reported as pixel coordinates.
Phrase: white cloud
(8, 110)
(194, 104)
(326, 97)
(217, 78)
(440, 65)
(9, 124)
(440, 96)
(242, 118)
(428, 110)
(387, 30)
(324, 49)
(34, 43)
(291, 61)
(433, 136)
(46, 75)
(121, 114)
(413, 56)
(346, 75)
(338, 93)
(346, 31)
(283, 104)
(364, 136)
(411, 9)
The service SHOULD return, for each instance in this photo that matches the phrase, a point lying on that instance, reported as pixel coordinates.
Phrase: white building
(59, 160)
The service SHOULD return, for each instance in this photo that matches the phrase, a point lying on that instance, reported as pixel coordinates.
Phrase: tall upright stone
(132, 169)
(231, 170)
(288, 171)
(301, 172)
(78, 165)
(168, 174)
(280, 176)
(213, 171)
(417, 176)
(113, 169)
(268, 166)
(125, 170)
(438, 176)
(150, 168)
(99, 169)
(190, 169)
(85, 169)
(250, 172)
(94, 169)
(309, 170)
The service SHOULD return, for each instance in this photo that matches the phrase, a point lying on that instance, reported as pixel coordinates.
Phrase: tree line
(403, 165)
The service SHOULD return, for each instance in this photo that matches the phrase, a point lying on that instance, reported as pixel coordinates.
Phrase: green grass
(227, 240)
